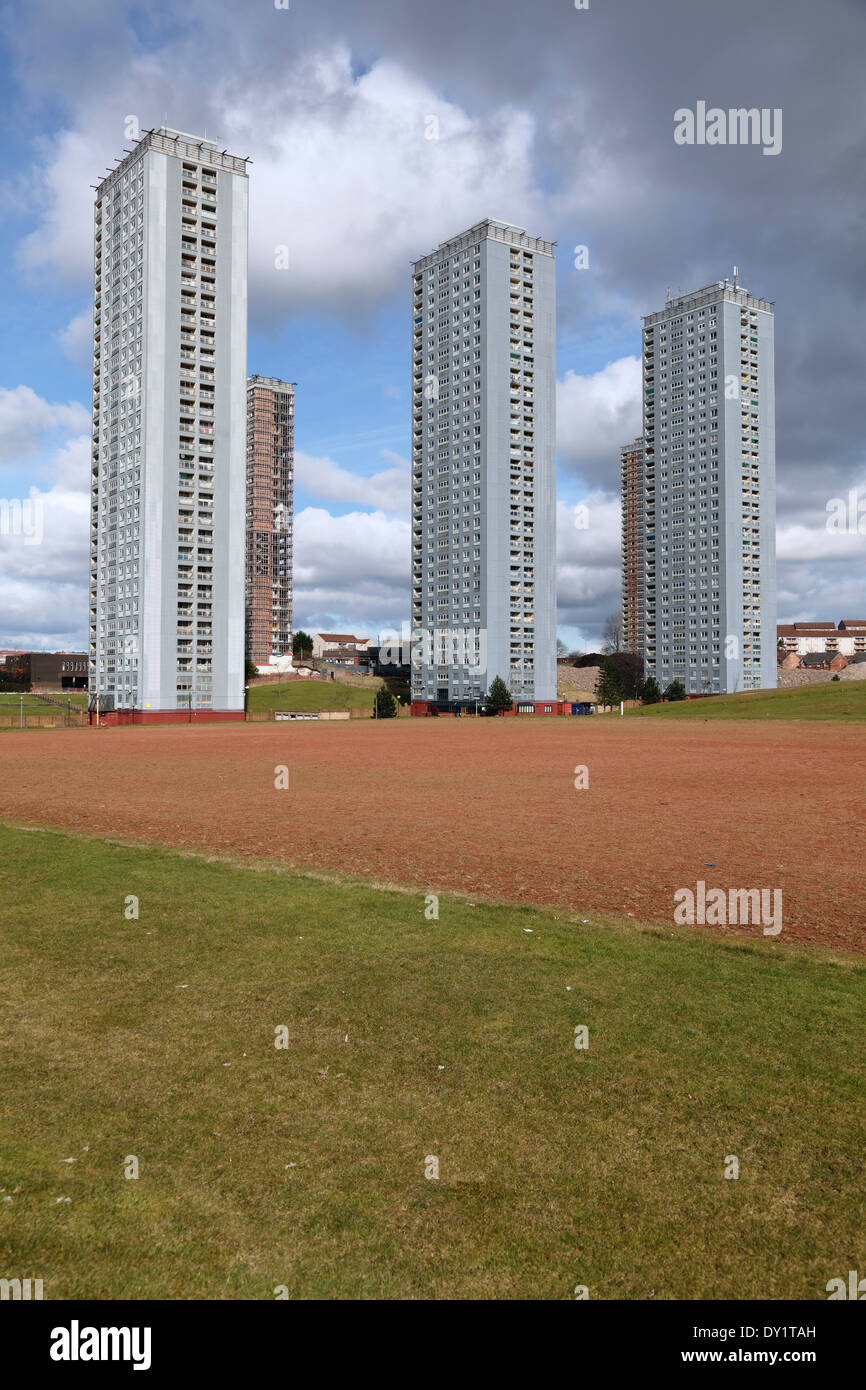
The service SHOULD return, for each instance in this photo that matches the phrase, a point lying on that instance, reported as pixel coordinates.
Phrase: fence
(78, 719)
(60, 720)
(267, 716)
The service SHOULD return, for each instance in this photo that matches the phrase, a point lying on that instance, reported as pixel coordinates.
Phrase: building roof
(730, 290)
(816, 629)
(340, 637)
(272, 383)
(175, 142)
(818, 658)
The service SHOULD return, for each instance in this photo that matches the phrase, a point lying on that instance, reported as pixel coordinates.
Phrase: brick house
(343, 648)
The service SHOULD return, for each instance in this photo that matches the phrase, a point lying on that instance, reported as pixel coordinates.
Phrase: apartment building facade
(710, 491)
(483, 467)
(270, 488)
(169, 428)
(632, 490)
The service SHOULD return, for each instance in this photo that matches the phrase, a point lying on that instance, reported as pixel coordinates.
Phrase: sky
(378, 129)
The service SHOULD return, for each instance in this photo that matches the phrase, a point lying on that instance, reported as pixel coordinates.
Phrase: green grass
(843, 701)
(408, 1038)
(10, 703)
(310, 695)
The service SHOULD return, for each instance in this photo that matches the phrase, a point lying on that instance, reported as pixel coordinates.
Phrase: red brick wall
(169, 716)
(421, 708)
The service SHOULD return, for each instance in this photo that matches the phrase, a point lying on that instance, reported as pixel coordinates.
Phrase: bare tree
(612, 634)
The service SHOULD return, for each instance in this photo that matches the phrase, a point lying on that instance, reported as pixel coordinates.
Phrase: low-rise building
(41, 671)
(823, 661)
(809, 638)
(343, 648)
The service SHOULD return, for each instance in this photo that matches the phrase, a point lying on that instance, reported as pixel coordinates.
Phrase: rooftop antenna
(736, 274)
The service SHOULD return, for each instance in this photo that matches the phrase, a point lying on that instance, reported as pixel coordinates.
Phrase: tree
(498, 697)
(611, 637)
(561, 649)
(251, 670)
(675, 691)
(629, 668)
(302, 644)
(608, 688)
(650, 694)
(384, 705)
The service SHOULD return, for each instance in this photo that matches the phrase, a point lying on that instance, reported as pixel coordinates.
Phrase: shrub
(384, 705)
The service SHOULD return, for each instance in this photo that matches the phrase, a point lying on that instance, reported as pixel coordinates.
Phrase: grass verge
(842, 702)
(310, 695)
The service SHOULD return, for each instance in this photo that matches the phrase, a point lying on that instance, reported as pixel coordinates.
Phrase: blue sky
(559, 120)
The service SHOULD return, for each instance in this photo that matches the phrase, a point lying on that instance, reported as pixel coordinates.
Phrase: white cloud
(76, 340)
(323, 478)
(345, 178)
(799, 544)
(44, 580)
(72, 467)
(43, 616)
(350, 571)
(26, 419)
(69, 163)
(596, 416)
(588, 576)
(588, 532)
(369, 191)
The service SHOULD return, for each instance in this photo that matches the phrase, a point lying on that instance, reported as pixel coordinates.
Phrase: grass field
(409, 1039)
(843, 702)
(310, 695)
(10, 703)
